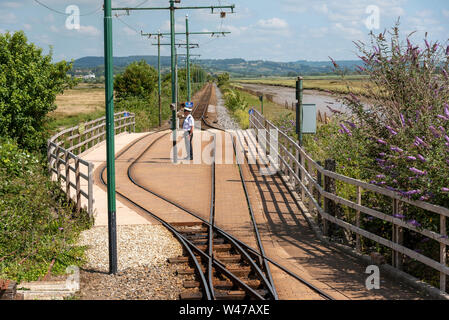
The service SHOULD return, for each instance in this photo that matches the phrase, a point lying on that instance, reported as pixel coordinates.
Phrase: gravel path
(223, 117)
(144, 272)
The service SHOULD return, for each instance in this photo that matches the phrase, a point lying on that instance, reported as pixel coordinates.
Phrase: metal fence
(65, 148)
(316, 186)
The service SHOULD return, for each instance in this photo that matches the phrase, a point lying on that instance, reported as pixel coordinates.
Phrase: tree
(223, 78)
(29, 83)
(139, 80)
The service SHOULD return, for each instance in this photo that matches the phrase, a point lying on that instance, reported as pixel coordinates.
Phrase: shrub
(36, 223)
(29, 83)
(404, 131)
(234, 100)
(138, 80)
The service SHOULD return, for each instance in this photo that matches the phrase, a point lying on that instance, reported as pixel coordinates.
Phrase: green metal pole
(188, 59)
(110, 153)
(159, 77)
(299, 89)
(173, 75)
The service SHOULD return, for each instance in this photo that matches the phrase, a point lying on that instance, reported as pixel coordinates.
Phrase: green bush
(36, 223)
(234, 101)
(29, 83)
(139, 80)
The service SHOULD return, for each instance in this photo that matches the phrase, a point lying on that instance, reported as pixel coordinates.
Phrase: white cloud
(274, 23)
(446, 13)
(27, 26)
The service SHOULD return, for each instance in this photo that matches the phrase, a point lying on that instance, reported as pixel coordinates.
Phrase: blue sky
(282, 30)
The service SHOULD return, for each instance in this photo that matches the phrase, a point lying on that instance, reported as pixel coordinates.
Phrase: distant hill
(236, 67)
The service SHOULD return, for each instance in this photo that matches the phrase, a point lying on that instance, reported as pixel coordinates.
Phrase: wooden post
(90, 190)
(58, 174)
(310, 184)
(358, 245)
(303, 180)
(329, 186)
(78, 189)
(397, 237)
(320, 183)
(443, 252)
(67, 175)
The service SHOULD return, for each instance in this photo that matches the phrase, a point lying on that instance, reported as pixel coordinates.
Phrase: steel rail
(236, 242)
(180, 238)
(228, 237)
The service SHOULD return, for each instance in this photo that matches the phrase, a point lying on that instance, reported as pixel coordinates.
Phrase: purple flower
(399, 216)
(397, 149)
(60, 228)
(414, 223)
(418, 172)
(351, 124)
(427, 44)
(443, 117)
(446, 137)
(420, 141)
(444, 189)
(446, 110)
(435, 133)
(391, 130)
(382, 154)
(420, 157)
(380, 176)
(381, 141)
(412, 158)
(402, 120)
(442, 129)
(412, 192)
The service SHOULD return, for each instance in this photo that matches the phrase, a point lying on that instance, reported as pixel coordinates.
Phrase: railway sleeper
(223, 258)
(223, 284)
(221, 295)
(237, 271)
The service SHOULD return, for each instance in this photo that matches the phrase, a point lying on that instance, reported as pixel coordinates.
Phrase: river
(285, 94)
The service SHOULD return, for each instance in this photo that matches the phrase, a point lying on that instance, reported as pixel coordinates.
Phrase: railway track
(215, 264)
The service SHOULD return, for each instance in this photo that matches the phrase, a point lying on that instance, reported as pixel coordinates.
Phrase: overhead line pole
(110, 153)
(172, 9)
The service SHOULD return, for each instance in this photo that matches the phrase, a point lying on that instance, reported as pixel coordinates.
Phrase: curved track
(209, 266)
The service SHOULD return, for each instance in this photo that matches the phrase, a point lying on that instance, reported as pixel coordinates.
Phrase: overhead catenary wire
(66, 14)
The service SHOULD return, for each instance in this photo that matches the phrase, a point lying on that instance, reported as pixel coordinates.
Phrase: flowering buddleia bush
(405, 125)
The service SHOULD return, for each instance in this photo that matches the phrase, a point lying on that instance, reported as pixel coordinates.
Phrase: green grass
(271, 110)
(333, 84)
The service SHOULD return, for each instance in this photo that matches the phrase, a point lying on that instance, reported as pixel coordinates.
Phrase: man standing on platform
(188, 126)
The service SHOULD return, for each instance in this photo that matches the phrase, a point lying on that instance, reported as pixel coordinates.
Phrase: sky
(282, 30)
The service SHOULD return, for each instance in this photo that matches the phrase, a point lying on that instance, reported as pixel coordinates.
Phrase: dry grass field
(83, 99)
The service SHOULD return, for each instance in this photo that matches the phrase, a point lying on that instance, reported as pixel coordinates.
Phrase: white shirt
(189, 123)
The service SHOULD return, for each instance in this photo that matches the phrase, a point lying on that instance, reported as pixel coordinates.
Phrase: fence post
(67, 175)
(319, 179)
(397, 237)
(58, 174)
(358, 245)
(78, 189)
(443, 253)
(329, 186)
(310, 184)
(90, 190)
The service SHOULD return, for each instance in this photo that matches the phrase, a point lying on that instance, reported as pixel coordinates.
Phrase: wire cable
(66, 14)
